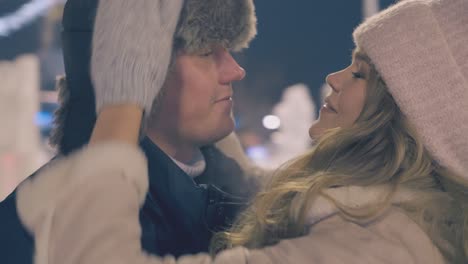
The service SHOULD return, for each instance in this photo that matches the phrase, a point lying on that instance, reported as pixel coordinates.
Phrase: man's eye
(207, 54)
(358, 75)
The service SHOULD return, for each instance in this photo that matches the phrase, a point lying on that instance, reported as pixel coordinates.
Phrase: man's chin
(218, 134)
(224, 132)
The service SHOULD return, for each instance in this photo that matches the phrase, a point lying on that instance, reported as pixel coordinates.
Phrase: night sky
(298, 42)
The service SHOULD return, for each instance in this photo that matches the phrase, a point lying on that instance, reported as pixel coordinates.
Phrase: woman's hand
(131, 52)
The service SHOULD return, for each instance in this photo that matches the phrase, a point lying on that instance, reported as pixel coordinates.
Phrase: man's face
(197, 102)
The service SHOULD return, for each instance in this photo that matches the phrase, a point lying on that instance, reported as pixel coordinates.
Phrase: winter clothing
(132, 48)
(16, 243)
(231, 23)
(168, 219)
(133, 42)
(75, 118)
(99, 190)
(426, 70)
(195, 167)
(179, 214)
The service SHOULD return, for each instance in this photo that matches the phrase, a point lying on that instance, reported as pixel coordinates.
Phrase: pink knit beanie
(420, 48)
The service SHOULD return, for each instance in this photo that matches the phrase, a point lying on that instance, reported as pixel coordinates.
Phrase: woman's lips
(328, 107)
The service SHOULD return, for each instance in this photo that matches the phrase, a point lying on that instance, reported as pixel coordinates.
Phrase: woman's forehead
(362, 60)
(360, 55)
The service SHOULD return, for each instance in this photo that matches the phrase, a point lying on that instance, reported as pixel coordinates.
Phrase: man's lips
(226, 98)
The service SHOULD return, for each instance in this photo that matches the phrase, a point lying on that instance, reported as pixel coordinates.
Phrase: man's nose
(230, 70)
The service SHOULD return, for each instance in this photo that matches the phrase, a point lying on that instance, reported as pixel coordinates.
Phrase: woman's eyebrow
(361, 56)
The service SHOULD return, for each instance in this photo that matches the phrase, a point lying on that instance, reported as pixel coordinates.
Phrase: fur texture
(82, 207)
(203, 23)
(60, 114)
(231, 23)
(37, 197)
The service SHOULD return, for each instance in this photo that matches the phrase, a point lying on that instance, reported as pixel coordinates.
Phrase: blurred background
(299, 42)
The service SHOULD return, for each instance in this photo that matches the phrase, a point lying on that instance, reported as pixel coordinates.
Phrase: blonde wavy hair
(381, 147)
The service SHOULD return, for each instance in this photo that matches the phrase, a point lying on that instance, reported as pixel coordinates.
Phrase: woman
(386, 182)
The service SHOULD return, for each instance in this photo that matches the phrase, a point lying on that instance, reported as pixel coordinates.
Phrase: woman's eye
(358, 75)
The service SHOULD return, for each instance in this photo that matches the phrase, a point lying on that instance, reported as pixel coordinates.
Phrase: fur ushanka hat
(202, 23)
(231, 23)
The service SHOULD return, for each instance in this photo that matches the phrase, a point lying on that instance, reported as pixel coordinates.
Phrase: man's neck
(174, 148)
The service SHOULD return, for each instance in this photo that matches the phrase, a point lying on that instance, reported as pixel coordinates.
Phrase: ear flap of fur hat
(73, 120)
(231, 23)
(75, 116)
(60, 114)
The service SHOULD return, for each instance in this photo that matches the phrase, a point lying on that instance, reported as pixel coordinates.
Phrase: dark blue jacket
(178, 217)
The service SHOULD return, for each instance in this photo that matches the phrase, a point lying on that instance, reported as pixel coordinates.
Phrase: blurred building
(25, 58)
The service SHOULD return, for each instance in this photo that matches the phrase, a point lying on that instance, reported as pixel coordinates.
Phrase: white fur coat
(84, 209)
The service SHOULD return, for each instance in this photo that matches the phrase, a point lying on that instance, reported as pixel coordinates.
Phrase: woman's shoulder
(393, 237)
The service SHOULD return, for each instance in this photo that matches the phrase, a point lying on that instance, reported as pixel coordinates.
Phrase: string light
(271, 122)
(25, 15)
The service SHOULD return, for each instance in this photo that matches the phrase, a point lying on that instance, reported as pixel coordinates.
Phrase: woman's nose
(332, 80)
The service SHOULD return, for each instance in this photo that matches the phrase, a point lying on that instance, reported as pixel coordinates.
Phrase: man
(192, 183)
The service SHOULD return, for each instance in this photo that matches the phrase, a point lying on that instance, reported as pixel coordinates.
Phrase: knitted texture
(132, 47)
(420, 48)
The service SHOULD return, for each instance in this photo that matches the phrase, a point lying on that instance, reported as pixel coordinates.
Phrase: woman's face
(346, 100)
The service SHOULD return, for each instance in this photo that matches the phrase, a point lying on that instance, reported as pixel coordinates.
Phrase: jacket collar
(174, 189)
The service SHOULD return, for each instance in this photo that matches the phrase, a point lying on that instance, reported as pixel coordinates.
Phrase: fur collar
(354, 197)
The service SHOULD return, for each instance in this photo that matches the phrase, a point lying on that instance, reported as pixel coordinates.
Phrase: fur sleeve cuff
(113, 156)
(114, 161)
